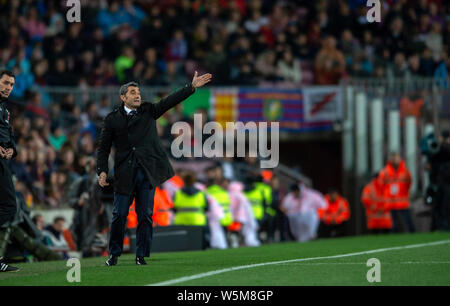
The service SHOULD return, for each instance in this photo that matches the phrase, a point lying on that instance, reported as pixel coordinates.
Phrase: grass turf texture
(427, 265)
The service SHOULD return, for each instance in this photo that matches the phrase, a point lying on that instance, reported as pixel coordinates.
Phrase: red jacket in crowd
(396, 183)
(336, 212)
(377, 209)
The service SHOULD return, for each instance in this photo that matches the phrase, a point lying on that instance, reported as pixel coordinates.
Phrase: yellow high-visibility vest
(190, 209)
(267, 192)
(256, 199)
(222, 197)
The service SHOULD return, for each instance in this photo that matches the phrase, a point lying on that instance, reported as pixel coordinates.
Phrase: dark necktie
(131, 114)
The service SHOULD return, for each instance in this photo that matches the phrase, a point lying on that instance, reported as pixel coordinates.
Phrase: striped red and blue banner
(285, 106)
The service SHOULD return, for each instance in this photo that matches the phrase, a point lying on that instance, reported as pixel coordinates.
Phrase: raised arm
(158, 109)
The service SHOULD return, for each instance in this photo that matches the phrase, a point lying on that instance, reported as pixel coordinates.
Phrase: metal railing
(111, 93)
(409, 108)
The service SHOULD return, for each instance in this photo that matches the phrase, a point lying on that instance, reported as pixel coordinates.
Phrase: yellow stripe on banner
(225, 106)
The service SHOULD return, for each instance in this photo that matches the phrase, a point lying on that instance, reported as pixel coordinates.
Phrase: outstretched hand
(199, 81)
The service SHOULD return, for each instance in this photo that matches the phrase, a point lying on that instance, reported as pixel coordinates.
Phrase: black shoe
(7, 268)
(140, 260)
(112, 260)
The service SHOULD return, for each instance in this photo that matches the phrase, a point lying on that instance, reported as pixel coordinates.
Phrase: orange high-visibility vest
(162, 214)
(396, 183)
(338, 211)
(235, 226)
(377, 209)
(177, 181)
(132, 217)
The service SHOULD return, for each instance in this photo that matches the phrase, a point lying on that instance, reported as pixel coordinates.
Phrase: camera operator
(438, 191)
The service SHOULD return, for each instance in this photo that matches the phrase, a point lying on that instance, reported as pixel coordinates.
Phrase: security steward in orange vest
(162, 214)
(378, 213)
(396, 180)
(334, 217)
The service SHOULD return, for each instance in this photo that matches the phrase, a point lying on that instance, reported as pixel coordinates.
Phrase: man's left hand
(9, 153)
(199, 81)
(2, 152)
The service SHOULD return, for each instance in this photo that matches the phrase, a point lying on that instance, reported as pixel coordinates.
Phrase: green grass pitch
(425, 265)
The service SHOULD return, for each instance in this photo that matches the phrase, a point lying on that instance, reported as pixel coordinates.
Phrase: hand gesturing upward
(199, 81)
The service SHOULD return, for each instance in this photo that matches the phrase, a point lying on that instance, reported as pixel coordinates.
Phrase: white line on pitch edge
(215, 272)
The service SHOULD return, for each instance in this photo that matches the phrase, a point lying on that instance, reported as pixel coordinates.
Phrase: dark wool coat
(136, 141)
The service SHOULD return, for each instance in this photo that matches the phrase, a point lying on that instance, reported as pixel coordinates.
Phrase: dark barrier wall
(173, 238)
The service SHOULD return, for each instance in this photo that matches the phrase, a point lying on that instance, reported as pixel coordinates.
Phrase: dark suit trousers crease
(8, 207)
(144, 194)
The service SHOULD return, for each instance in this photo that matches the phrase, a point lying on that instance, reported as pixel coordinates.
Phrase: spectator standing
(282, 222)
(177, 48)
(329, 63)
(441, 163)
(289, 68)
(396, 180)
(123, 62)
(378, 215)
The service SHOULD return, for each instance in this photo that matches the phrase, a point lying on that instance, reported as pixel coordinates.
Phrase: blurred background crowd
(240, 42)
(161, 42)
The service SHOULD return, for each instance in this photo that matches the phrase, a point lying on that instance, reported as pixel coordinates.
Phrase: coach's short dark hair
(8, 73)
(124, 88)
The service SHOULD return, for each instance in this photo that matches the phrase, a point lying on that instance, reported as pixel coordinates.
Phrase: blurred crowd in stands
(253, 42)
(54, 145)
(162, 42)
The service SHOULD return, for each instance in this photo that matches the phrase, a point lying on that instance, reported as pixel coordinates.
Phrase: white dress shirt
(128, 110)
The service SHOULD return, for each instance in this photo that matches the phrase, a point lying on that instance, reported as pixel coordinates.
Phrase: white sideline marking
(364, 263)
(425, 262)
(215, 272)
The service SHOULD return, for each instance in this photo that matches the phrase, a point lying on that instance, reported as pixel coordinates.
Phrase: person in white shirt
(301, 205)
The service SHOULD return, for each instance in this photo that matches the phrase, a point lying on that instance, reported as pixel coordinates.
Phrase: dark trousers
(405, 215)
(8, 206)
(443, 209)
(282, 224)
(144, 195)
